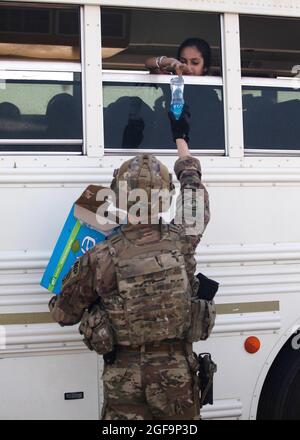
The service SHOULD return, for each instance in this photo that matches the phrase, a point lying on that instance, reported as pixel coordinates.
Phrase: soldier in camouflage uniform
(136, 297)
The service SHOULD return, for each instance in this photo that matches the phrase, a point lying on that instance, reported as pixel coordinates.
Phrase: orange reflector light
(252, 344)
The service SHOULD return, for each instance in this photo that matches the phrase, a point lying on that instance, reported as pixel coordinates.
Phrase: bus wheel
(280, 396)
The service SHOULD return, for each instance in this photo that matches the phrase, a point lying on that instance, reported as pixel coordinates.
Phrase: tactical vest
(153, 301)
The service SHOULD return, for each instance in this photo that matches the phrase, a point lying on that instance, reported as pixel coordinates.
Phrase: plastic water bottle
(177, 101)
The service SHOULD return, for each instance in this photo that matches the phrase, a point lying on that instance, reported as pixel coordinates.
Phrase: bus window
(271, 117)
(269, 46)
(40, 111)
(40, 79)
(270, 84)
(135, 116)
(38, 32)
(136, 103)
(130, 36)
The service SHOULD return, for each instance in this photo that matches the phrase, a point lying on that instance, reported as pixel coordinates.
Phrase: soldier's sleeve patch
(73, 275)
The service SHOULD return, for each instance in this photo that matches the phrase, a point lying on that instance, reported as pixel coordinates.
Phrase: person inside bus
(130, 123)
(63, 117)
(193, 58)
(10, 117)
(127, 123)
(144, 127)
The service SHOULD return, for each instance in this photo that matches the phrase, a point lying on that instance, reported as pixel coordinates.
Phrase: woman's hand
(173, 65)
(165, 64)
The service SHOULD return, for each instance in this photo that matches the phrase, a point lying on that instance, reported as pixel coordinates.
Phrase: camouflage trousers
(151, 386)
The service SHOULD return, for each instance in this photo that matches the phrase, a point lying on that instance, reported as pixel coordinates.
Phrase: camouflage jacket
(93, 275)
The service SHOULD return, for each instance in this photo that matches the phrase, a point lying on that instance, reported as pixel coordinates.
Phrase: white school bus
(72, 80)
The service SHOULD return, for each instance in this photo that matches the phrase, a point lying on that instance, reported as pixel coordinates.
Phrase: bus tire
(280, 396)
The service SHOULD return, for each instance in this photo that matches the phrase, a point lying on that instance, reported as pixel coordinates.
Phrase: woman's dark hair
(203, 48)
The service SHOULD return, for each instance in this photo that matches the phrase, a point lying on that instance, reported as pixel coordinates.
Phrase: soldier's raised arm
(192, 205)
(77, 293)
(193, 202)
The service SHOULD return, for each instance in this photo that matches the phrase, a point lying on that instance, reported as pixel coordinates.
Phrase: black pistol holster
(207, 369)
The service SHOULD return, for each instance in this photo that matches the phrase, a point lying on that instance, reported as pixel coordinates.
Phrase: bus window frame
(39, 70)
(45, 67)
(278, 83)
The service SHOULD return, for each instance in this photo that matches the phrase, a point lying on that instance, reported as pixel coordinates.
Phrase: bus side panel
(37, 387)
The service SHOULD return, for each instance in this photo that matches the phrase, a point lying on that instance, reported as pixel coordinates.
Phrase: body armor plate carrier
(153, 300)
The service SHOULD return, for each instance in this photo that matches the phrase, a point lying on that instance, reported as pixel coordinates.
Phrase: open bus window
(40, 79)
(39, 32)
(136, 106)
(135, 116)
(40, 111)
(270, 84)
(271, 118)
(130, 36)
(269, 46)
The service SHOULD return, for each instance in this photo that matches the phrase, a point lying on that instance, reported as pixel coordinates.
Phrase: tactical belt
(170, 345)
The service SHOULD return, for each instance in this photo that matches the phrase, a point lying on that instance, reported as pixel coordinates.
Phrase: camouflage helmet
(145, 172)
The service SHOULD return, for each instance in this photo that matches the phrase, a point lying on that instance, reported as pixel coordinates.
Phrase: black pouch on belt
(207, 287)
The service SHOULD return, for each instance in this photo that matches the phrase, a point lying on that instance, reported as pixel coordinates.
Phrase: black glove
(180, 128)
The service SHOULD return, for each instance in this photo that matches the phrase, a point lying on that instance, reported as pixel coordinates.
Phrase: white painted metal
(232, 89)
(245, 323)
(170, 152)
(144, 77)
(37, 387)
(40, 142)
(280, 153)
(36, 75)
(38, 65)
(288, 8)
(92, 90)
(13, 154)
(288, 82)
(229, 409)
(249, 165)
(30, 172)
(207, 253)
